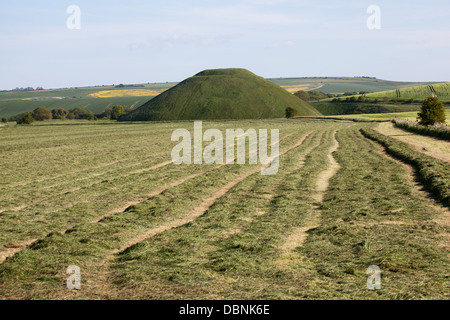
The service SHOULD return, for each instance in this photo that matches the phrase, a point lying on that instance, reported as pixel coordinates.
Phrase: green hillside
(345, 84)
(221, 94)
(441, 90)
(15, 102)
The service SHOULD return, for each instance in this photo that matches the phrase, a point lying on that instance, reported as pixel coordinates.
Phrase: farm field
(387, 116)
(441, 90)
(108, 199)
(345, 84)
(96, 99)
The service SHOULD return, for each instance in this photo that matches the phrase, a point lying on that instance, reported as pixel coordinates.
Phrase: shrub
(117, 111)
(4, 120)
(432, 112)
(302, 95)
(25, 118)
(79, 113)
(59, 113)
(291, 112)
(41, 114)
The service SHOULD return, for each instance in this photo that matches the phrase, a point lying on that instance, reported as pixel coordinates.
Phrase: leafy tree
(26, 118)
(91, 116)
(59, 113)
(117, 111)
(432, 112)
(70, 116)
(41, 114)
(79, 113)
(302, 95)
(4, 120)
(291, 112)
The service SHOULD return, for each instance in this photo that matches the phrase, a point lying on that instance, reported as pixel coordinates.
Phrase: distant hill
(221, 94)
(96, 99)
(441, 90)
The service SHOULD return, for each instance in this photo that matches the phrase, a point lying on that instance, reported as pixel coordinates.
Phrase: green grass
(74, 174)
(12, 103)
(221, 94)
(442, 90)
(434, 173)
(412, 116)
(346, 84)
(438, 130)
(333, 108)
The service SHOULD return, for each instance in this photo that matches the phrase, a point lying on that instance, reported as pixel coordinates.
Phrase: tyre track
(299, 235)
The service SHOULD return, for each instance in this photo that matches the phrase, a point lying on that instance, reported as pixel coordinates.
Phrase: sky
(137, 41)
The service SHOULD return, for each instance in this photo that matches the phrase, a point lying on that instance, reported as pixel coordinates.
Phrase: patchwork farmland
(108, 198)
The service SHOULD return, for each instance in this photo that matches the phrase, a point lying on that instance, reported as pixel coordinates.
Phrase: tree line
(43, 114)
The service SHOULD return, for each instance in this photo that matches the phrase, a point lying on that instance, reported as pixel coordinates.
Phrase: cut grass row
(434, 173)
(370, 215)
(35, 211)
(114, 231)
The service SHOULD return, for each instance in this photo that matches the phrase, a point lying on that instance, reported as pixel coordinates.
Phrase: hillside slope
(221, 94)
(441, 90)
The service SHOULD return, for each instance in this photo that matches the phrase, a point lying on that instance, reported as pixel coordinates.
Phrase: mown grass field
(108, 199)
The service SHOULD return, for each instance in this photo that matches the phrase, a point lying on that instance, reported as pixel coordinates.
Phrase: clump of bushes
(41, 114)
(291, 112)
(25, 118)
(59, 114)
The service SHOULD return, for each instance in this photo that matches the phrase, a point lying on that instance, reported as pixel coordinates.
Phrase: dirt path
(299, 235)
(12, 249)
(436, 148)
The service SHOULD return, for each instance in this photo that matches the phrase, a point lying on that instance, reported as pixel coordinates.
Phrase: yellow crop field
(294, 89)
(125, 93)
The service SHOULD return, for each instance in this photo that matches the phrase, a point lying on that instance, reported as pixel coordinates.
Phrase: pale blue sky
(156, 41)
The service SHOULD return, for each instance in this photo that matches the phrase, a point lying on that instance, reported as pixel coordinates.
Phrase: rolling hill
(221, 94)
(441, 90)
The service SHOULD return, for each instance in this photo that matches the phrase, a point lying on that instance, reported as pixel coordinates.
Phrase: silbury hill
(219, 95)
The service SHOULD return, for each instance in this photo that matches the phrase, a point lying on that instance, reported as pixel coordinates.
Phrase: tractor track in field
(10, 252)
(176, 223)
(299, 235)
(418, 188)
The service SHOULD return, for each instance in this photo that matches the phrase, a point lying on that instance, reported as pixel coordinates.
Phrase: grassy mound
(221, 94)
